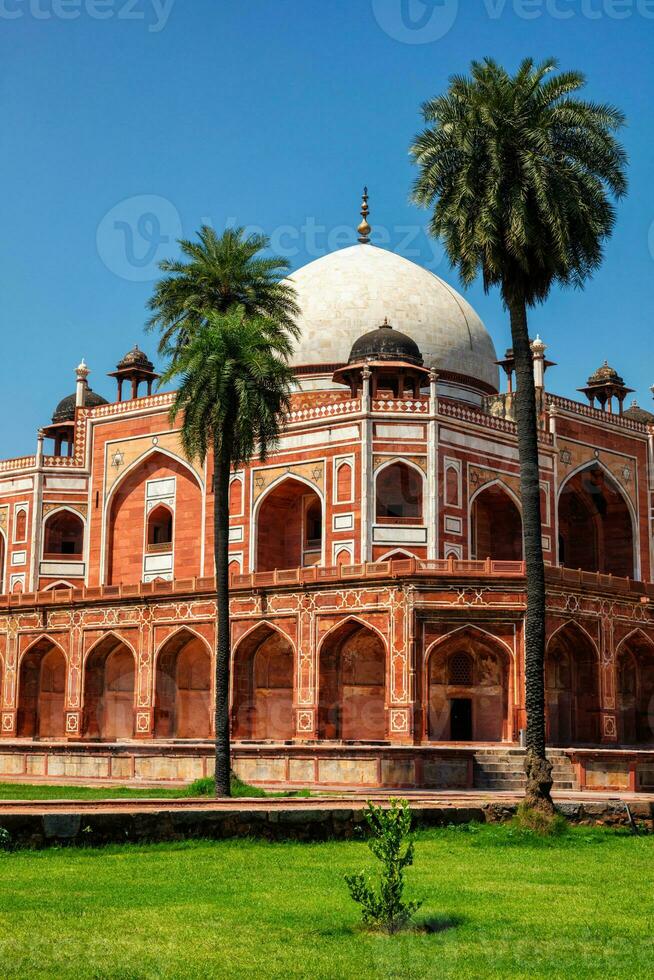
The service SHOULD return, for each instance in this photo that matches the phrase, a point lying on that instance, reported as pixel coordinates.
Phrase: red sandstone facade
(377, 589)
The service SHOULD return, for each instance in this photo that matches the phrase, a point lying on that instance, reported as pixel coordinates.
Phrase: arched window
(344, 483)
(399, 494)
(160, 527)
(234, 567)
(20, 526)
(64, 535)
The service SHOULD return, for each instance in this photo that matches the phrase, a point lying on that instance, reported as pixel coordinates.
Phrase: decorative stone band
(446, 568)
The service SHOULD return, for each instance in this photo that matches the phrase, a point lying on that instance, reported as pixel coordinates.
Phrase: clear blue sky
(120, 131)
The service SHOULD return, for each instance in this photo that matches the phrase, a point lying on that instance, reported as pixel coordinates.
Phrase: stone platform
(324, 765)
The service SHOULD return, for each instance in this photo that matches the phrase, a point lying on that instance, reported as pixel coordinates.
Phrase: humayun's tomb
(377, 586)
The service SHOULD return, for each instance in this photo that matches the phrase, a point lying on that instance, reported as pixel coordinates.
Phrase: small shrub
(540, 822)
(382, 906)
(5, 839)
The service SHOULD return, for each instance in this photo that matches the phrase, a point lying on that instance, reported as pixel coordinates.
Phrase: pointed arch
(468, 683)
(41, 692)
(264, 680)
(400, 487)
(64, 532)
(109, 681)
(348, 621)
(572, 625)
(635, 688)
(572, 694)
(598, 525)
(183, 686)
(398, 554)
(60, 584)
(474, 629)
(352, 682)
(495, 523)
(125, 556)
(288, 525)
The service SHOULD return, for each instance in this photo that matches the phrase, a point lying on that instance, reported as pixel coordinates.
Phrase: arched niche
(399, 494)
(468, 685)
(635, 684)
(263, 673)
(63, 535)
(495, 525)
(344, 478)
(596, 531)
(109, 678)
(352, 684)
(41, 691)
(129, 510)
(289, 527)
(183, 688)
(572, 701)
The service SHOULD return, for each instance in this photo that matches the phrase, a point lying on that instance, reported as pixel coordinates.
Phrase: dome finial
(364, 228)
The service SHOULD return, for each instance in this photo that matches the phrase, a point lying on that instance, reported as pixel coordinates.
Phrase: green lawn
(499, 905)
(202, 787)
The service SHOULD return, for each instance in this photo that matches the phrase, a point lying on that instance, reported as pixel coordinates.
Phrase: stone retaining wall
(99, 827)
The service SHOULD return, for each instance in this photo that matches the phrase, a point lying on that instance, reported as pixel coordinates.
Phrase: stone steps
(503, 769)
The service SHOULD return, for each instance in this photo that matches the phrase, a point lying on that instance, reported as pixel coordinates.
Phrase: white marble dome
(351, 291)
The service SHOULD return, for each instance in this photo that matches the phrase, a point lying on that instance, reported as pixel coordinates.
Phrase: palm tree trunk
(539, 770)
(222, 467)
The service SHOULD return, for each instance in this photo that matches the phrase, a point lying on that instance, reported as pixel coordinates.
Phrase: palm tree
(520, 176)
(234, 386)
(219, 272)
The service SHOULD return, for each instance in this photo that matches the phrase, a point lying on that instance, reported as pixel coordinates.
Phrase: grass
(499, 902)
(201, 787)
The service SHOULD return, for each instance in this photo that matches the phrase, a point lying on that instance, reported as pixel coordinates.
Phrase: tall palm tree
(234, 386)
(520, 175)
(215, 273)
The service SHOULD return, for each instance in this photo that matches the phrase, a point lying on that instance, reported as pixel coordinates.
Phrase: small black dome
(385, 344)
(638, 414)
(65, 410)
